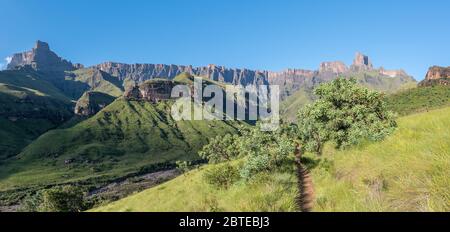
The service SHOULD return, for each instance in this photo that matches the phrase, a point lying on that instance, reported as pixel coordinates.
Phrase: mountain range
(41, 58)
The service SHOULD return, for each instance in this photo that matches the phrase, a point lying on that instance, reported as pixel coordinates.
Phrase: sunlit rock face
(151, 91)
(437, 72)
(437, 75)
(337, 67)
(41, 58)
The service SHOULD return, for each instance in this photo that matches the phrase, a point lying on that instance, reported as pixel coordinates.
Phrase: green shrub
(254, 165)
(222, 176)
(57, 199)
(183, 166)
(221, 148)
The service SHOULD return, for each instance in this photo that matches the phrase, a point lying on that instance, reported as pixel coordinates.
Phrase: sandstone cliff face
(333, 67)
(41, 58)
(151, 91)
(437, 72)
(437, 76)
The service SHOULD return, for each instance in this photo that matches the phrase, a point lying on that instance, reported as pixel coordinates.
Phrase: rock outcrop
(41, 58)
(92, 102)
(151, 91)
(437, 72)
(437, 75)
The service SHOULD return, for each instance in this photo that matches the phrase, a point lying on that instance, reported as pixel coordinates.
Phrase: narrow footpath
(305, 199)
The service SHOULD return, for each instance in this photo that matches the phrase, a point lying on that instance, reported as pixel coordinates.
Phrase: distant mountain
(379, 79)
(41, 58)
(71, 79)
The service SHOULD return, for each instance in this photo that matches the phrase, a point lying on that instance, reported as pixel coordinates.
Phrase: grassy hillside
(407, 172)
(419, 99)
(29, 106)
(99, 81)
(31, 81)
(290, 106)
(125, 137)
(373, 80)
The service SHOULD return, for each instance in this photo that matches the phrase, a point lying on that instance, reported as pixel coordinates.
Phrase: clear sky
(258, 34)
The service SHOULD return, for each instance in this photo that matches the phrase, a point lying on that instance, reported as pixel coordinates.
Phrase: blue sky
(269, 35)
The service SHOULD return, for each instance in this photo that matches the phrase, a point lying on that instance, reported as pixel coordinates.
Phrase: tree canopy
(346, 114)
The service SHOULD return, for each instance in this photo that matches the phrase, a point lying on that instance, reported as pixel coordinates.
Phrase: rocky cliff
(143, 72)
(437, 75)
(437, 72)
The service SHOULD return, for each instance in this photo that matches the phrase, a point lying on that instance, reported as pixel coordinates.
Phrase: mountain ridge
(144, 71)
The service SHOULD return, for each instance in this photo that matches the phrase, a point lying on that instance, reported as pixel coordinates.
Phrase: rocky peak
(41, 58)
(361, 63)
(41, 46)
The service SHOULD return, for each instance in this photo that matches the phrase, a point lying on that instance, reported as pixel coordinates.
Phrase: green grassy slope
(29, 106)
(100, 81)
(290, 106)
(123, 138)
(380, 83)
(267, 192)
(31, 81)
(419, 99)
(407, 172)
